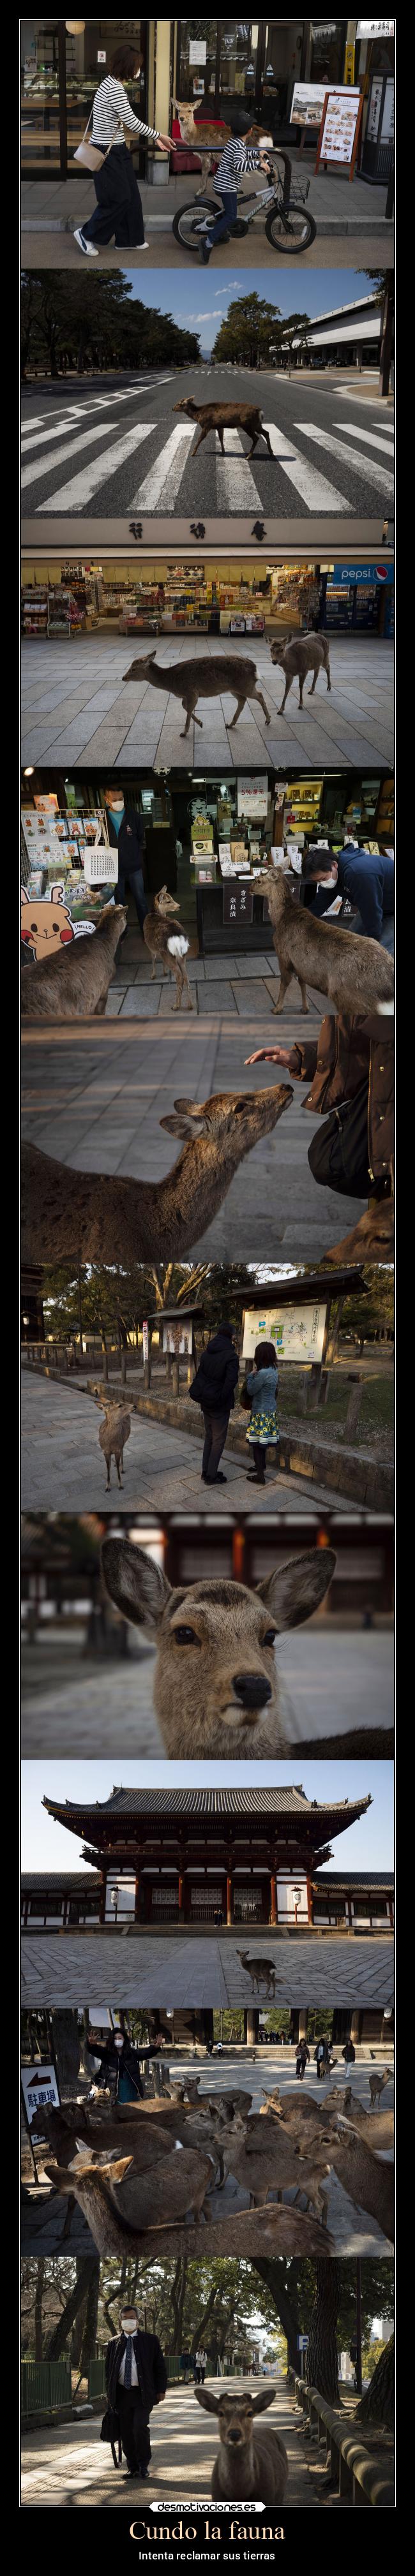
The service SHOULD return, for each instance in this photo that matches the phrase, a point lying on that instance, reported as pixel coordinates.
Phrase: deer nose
(233, 2437)
(252, 1689)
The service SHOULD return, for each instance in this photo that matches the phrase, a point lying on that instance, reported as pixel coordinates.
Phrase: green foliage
(70, 322)
(247, 329)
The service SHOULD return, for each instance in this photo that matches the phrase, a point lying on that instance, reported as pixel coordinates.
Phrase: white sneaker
(87, 246)
(142, 245)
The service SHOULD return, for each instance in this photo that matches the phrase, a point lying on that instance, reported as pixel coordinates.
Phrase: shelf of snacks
(34, 611)
(385, 815)
(66, 857)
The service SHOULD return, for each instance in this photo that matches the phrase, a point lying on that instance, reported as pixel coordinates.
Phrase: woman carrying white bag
(119, 214)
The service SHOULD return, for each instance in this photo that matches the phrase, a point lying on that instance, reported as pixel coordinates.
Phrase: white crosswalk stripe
(73, 447)
(350, 456)
(352, 429)
(43, 437)
(73, 495)
(162, 483)
(312, 487)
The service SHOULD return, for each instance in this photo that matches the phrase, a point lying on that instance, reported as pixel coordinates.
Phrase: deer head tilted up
(104, 1217)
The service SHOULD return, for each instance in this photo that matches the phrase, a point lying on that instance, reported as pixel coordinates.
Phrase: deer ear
(116, 2172)
(62, 2180)
(206, 2398)
(190, 1119)
(293, 1591)
(263, 2397)
(134, 1582)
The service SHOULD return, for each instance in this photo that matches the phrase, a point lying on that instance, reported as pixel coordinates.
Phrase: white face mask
(129, 2325)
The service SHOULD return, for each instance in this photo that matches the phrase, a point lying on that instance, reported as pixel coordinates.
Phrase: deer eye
(185, 1636)
(270, 1638)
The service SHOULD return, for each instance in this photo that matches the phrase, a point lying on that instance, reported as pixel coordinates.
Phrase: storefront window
(327, 48)
(238, 60)
(281, 62)
(88, 61)
(40, 95)
(196, 60)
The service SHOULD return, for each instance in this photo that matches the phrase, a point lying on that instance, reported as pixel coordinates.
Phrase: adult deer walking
(252, 2458)
(204, 678)
(105, 1217)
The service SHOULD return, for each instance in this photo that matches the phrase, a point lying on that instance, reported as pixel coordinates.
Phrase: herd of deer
(177, 2149)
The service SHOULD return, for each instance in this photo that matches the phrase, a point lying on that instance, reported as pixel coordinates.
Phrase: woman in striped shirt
(119, 213)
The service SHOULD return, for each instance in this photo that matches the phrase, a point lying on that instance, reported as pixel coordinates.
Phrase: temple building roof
(253, 1806)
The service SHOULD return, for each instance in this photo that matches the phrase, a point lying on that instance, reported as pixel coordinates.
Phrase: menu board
(297, 1331)
(339, 127)
(307, 102)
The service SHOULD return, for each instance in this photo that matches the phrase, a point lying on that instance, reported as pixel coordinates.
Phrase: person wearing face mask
(118, 2066)
(367, 877)
(135, 2380)
(118, 214)
(126, 834)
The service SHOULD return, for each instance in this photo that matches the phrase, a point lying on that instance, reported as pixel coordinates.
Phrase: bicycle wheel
(295, 234)
(190, 224)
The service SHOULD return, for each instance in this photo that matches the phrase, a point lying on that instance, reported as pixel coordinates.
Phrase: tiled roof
(374, 1878)
(210, 1802)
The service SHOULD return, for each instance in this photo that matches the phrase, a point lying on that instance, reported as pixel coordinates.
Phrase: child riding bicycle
(236, 158)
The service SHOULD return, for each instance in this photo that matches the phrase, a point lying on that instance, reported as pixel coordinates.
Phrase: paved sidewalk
(67, 2465)
(332, 1681)
(63, 1467)
(205, 1971)
(93, 1096)
(340, 210)
(78, 707)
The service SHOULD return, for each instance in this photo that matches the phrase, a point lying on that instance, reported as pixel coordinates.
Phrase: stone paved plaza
(139, 1969)
(63, 1467)
(67, 2464)
(333, 1680)
(93, 1096)
(77, 707)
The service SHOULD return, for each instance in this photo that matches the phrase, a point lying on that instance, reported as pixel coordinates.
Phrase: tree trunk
(77, 2337)
(91, 2316)
(199, 2335)
(40, 2275)
(285, 2302)
(378, 2404)
(321, 2361)
(67, 2047)
(63, 2329)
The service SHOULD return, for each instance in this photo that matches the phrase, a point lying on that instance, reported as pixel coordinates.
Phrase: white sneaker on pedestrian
(87, 246)
(142, 245)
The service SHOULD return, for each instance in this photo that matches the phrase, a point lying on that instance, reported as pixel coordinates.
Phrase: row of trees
(72, 324)
(68, 2305)
(119, 1299)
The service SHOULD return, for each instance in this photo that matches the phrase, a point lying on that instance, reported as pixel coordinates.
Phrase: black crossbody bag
(339, 1152)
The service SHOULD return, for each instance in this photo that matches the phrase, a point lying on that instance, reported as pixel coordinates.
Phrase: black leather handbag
(339, 1152)
(245, 1400)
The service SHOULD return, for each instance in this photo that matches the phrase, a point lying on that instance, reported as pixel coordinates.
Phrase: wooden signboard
(340, 129)
(237, 902)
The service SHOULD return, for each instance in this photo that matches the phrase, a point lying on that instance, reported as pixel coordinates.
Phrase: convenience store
(229, 595)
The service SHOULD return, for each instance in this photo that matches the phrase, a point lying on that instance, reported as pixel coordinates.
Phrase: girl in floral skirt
(262, 1387)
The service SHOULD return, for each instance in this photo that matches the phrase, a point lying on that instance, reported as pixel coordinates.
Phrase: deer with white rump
(356, 973)
(216, 1685)
(166, 939)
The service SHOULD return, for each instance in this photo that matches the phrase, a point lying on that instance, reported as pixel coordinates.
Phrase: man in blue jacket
(367, 877)
(126, 831)
(213, 1388)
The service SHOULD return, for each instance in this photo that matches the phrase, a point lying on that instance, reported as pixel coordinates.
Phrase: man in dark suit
(136, 2380)
(367, 877)
(126, 831)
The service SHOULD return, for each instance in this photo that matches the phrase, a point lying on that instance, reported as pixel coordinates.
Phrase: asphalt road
(125, 451)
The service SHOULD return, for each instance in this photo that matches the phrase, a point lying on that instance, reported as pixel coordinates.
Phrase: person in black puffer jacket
(213, 1388)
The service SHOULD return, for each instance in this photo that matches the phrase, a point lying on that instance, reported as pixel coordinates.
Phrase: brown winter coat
(346, 1052)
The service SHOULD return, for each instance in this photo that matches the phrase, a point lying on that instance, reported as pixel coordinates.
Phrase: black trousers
(134, 878)
(216, 1426)
(119, 213)
(134, 2427)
